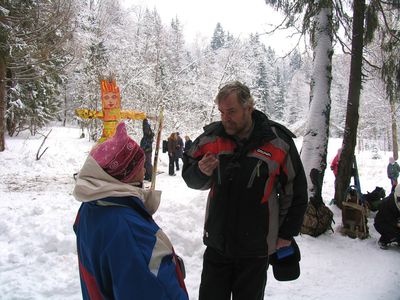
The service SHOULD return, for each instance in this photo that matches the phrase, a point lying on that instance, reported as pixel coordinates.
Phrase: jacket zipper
(256, 172)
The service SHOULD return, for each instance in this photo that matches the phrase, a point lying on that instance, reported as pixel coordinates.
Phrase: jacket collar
(261, 133)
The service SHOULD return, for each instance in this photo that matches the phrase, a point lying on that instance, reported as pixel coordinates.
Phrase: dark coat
(146, 143)
(188, 144)
(258, 192)
(393, 170)
(388, 217)
(179, 148)
(172, 146)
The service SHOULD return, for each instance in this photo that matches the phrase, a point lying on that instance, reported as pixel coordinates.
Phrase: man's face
(235, 118)
(110, 100)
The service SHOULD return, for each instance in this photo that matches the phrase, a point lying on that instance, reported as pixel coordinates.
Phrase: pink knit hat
(120, 156)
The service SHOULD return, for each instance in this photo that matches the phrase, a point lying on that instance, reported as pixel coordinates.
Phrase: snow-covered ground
(37, 244)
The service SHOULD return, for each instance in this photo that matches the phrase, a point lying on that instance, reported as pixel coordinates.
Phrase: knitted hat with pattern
(120, 156)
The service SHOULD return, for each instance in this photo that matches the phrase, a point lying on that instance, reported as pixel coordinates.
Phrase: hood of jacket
(93, 183)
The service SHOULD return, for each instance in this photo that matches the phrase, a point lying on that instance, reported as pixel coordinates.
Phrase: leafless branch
(38, 156)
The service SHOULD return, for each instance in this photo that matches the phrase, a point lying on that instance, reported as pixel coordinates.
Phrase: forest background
(53, 54)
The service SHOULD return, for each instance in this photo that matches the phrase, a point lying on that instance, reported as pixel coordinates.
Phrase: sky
(236, 16)
(38, 257)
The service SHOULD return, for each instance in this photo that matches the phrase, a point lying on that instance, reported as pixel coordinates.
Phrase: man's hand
(280, 243)
(208, 164)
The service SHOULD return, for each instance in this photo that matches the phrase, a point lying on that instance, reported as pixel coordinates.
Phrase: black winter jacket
(258, 192)
(387, 219)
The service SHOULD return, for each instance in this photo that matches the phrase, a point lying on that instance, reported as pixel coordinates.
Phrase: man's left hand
(280, 243)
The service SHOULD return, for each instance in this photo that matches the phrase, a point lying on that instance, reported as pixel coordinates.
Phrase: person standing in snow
(335, 162)
(172, 144)
(257, 198)
(146, 143)
(387, 220)
(122, 252)
(179, 150)
(393, 170)
(188, 143)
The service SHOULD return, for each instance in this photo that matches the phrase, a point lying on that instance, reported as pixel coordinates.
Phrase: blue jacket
(123, 254)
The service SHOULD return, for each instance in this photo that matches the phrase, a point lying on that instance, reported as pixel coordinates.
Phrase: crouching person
(122, 252)
(387, 220)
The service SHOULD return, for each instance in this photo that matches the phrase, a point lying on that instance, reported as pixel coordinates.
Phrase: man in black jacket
(257, 198)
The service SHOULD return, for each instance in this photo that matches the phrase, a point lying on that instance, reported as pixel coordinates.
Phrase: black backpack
(164, 146)
(374, 199)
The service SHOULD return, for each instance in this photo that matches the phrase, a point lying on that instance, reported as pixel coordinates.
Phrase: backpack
(373, 199)
(164, 146)
(318, 217)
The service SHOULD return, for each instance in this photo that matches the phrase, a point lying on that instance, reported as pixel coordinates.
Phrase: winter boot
(383, 245)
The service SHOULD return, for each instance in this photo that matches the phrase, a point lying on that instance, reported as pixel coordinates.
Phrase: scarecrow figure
(111, 112)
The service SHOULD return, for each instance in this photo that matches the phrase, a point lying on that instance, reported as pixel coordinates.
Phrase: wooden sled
(354, 216)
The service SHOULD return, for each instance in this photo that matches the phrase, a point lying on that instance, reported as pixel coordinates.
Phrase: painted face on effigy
(110, 100)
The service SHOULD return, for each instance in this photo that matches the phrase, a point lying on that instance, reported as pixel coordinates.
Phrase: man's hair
(242, 92)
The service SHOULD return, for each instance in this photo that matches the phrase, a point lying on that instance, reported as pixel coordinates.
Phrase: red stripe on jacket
(277, 155)
(216, 147)
(90, 283)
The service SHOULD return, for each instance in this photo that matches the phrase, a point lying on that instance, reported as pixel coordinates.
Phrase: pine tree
(219, 38)
(279, 97)
(33, 34)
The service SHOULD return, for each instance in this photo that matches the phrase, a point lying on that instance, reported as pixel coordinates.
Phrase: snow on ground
(37, 244)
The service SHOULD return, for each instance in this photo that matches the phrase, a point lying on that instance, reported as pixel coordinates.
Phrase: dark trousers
(177, 162)
(171, 167)
(394, 183)
(389, 232)
(243, 278)
(148, 166)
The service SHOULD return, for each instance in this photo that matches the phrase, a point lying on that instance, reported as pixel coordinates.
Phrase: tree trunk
(315, 142)
(353, 102)
(3, 95)
(394, 128)
(65, 106)
(11, 124)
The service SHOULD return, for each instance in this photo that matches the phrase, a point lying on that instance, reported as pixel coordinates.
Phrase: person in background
(257, 199)
(172, 144)
(179, 150)
(122, 252)
(146, 143)
(393, 170)
(387, 220)
(335, 162)
(188, 143)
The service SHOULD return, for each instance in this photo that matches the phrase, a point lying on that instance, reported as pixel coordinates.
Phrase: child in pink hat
(120, 156)
(122, 252)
